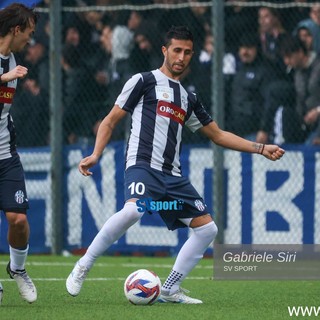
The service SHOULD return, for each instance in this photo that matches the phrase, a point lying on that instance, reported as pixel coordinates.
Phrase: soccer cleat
(1, 293)
(178, 297)
(76, 278)
(26, 287)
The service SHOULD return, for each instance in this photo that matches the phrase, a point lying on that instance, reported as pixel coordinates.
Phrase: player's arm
(103, 137)
(231, 141)
(15, 73)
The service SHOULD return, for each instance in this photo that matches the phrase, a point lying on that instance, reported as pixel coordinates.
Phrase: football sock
(111, 231)
(189, 255)
(18, 258)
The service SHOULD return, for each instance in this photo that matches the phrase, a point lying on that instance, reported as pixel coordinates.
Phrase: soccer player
(160, 107)
(17, 25)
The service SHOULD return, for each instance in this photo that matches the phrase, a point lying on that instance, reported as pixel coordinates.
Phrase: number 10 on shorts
(137, 188)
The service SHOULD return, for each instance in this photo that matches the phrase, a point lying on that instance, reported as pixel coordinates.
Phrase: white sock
(111, 231)
(18, 258)
(190, 254)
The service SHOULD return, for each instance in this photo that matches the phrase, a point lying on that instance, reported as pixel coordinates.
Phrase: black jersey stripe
(148, 120)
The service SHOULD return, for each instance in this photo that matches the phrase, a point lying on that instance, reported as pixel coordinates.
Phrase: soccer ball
(142, 287)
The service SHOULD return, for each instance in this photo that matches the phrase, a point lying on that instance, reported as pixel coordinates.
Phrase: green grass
(102, 294)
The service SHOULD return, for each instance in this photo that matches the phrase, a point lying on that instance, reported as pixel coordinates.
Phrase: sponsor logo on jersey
(164, 93)
(6, 94)
(172, 111)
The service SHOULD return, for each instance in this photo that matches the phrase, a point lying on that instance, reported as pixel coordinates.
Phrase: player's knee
(131, 209)
(207, 231)
(18, 222)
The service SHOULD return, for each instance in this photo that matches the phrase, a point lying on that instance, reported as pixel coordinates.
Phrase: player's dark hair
(179, 33)
(14, 15)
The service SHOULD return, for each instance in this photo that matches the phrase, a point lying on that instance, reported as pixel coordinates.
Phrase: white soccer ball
(142, 287)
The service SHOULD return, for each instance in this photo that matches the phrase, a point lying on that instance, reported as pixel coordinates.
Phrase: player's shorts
(170, 196)
(13, 195)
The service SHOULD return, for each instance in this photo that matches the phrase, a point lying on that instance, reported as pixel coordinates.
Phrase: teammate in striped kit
(160, 107)
(17, 25)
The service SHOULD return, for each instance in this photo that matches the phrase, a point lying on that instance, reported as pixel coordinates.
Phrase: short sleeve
(131, 93)
(199, 117)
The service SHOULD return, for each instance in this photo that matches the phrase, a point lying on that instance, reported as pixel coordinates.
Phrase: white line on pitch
(97, 279)
(104, 265)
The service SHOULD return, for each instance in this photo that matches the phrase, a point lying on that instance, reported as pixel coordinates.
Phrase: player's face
(22, 38)
(177, 57)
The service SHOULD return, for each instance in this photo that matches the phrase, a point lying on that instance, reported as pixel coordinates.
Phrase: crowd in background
(271, 68)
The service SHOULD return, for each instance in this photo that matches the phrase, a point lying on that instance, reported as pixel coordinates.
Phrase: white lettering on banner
(279, 200)
(317, 199)
(101, 206)
(40, 189)
(233, 164)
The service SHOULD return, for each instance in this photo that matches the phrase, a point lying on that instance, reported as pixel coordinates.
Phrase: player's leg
(14, 202)
(192, 213)
(111, 231)
(204, 232)
(18, 237)
(140, 183)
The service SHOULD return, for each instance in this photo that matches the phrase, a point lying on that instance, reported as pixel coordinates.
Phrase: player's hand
(272, 152)
(86, 163)
(15, 73)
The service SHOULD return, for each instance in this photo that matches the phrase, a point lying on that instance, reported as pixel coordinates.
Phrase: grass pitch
(102, 295)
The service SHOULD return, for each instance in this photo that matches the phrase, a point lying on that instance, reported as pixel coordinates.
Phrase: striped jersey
(7, 90)
(160, 107)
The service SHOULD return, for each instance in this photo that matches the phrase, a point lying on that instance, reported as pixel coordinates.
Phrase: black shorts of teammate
(172, 197)
(13, 195)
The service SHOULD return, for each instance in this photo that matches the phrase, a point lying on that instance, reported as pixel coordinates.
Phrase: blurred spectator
(185, 16)
(100, 61)
(239, 19)
(293, 15)
(32, 102)
(145, 55)
(110, 66)
(80, 110)
(249, 88)
(271, 33)
(119, 67)
(313, 24)
(135, 20)
(202, 71)
(305, 35)
(301, 120)
(203, 14)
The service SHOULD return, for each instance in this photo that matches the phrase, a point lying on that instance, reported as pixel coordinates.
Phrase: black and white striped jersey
(160, 107)
(7, 90)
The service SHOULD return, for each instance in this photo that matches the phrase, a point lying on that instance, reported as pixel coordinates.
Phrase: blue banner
(265, 202)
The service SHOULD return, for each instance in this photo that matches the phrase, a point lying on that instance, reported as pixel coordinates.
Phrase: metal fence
(81, 56)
